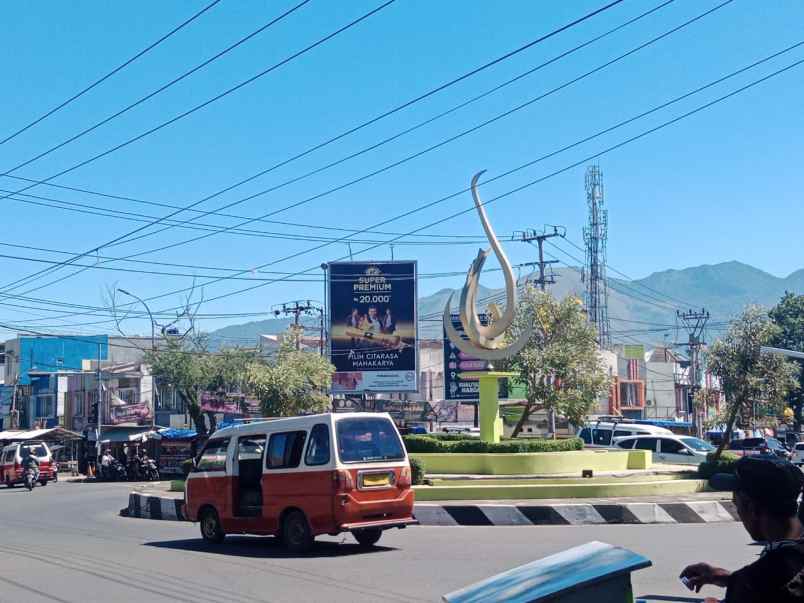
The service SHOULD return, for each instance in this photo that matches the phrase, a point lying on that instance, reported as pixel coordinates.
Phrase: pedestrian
(765, 492)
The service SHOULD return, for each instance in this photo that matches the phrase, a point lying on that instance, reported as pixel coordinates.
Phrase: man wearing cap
(765, 492)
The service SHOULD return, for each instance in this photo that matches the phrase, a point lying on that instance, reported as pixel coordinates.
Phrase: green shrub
(725, 464)
(417, 471)
(425, 444)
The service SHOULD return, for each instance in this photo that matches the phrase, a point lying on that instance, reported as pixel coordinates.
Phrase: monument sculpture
(486, 342)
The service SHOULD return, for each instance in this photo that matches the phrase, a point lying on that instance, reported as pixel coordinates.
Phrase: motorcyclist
(29, 461)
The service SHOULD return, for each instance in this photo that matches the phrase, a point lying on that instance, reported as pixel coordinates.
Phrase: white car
(671, 449)
(798, 454)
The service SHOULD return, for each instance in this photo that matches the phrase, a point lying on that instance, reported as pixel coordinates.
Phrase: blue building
(31, 365)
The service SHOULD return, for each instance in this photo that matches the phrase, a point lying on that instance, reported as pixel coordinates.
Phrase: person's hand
(699, 574)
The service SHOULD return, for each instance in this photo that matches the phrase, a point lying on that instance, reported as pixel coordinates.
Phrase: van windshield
(368, 440)
(38, 450)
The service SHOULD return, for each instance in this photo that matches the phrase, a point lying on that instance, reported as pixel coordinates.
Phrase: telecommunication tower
(595, 235)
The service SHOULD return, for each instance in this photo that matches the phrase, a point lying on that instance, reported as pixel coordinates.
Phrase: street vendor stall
(176, 446)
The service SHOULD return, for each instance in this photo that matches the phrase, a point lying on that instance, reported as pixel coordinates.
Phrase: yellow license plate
(373, 480)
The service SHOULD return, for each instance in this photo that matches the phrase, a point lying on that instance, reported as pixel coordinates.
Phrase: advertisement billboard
(220, 402)
(456, 362)
(127, 410)
(372, 326)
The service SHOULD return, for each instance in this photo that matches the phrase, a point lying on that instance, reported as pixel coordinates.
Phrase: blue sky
(721, 185)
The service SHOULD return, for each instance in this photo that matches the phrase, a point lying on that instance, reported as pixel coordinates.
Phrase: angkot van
(301, 477)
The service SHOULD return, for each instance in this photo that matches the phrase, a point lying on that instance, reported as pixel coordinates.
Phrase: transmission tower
(595, 235)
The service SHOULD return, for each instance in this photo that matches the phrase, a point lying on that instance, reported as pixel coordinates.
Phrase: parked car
(798, 454)
(462, 430)
(671, 449)
(300, 477)
(755, 446)
(597, 435)
(11, 472)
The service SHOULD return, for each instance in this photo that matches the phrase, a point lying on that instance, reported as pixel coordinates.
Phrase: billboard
(220, 402)
(126, 411)
(456, 361)
(372, 326)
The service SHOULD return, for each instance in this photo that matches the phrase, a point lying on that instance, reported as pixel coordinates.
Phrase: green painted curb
(533, 491)
(534, 463)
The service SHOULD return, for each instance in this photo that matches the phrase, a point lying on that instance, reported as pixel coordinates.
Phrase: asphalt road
(65, 543)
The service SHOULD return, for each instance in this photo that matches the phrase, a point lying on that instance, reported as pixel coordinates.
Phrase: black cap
(767, 479)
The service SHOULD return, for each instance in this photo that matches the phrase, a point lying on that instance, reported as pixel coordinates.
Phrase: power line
(110, 74)
(198, 107)
(159, 90)
(398, 135)
(378, 144)
(531, 183)
(333, 139)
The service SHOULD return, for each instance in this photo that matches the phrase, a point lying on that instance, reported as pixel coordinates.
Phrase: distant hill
(642, 309)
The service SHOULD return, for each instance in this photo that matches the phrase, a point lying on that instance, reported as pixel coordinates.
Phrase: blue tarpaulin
(171, 433)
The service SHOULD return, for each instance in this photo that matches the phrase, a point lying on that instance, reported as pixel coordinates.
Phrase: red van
(300, 477)
(11, 462)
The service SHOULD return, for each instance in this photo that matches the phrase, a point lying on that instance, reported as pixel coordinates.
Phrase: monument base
(491, 425)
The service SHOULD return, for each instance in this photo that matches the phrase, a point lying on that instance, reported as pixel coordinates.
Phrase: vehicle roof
(631, 427)
(669, 436)
(303, 422)
(24, 443)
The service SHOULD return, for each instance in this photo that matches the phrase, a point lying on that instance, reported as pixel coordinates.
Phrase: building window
(45, 405)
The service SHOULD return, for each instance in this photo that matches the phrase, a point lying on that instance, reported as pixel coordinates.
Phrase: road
(65, 543)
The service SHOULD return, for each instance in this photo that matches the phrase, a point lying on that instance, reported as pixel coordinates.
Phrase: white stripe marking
(649, 513)
(579, 514)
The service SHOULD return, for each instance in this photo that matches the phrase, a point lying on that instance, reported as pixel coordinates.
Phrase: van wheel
(43, 482)
(367, 537)
(296, 534)
(211, 529)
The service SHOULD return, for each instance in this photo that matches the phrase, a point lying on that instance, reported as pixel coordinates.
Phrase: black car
(750, 446)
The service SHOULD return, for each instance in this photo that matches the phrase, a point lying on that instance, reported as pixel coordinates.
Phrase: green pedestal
(491, 425)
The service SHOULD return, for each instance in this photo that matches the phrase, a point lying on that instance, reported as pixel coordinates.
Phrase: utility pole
(297, 309)
(529, 236)
(100, 408)
(694, 322)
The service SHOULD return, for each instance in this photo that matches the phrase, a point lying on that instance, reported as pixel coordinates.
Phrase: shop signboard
(219, 402)
(372, 325)
(456, 362)
(123, 411)
(172, 455)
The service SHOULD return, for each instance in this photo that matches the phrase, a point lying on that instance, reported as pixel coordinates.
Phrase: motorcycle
(30, 477)
(114, 471)
(150, 470)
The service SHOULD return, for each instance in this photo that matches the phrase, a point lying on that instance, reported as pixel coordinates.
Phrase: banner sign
(139, 414)
(372, 322)
(456, 362)
(229, 404)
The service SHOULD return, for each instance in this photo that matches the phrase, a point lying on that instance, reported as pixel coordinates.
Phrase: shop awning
(125, 434)
(172, 433)
(54, 434)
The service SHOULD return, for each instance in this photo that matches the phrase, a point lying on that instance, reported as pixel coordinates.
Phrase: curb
(154, 507)
(710, 511)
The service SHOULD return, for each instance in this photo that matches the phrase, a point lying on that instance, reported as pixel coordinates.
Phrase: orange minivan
(301, 477)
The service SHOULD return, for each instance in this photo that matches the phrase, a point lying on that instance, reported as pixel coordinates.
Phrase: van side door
(208, 483)
(284, 485)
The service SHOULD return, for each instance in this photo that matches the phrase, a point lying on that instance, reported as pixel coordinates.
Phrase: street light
(151, 316)
(153, 349)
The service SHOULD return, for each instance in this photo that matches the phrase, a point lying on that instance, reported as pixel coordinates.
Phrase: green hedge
(417, 471)
(725, 464)
(423, 444)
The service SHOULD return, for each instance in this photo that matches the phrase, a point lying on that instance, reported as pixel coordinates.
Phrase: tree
(191, 369)
(560, 364)
(295, 383)
(746, 375)
(788, 316)
(186, 370)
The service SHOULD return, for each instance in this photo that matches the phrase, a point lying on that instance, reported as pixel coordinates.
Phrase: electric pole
(529, 236)
(297, 309)
(694, 322)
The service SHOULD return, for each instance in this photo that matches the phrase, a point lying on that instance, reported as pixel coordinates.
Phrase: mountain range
(642, 309)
